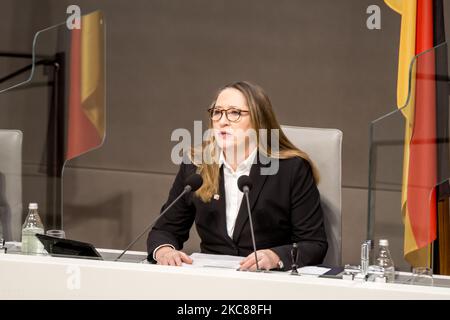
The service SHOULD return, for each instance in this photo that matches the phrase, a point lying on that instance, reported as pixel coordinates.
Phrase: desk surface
(44, 277)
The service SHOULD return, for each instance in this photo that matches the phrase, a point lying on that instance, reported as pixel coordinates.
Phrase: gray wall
(317, 60)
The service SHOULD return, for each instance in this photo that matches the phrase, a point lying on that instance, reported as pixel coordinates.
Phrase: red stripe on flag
(422, 158)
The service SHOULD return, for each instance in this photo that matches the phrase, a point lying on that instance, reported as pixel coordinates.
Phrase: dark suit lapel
(258, 181)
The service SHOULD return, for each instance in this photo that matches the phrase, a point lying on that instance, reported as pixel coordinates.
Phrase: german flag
(76, 125)
(86, 118)
(426, 134)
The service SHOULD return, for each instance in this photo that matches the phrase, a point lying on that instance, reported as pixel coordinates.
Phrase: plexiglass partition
(52, 110)
(409, 169)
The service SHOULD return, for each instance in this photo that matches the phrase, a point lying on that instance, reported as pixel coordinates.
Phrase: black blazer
(285, 209)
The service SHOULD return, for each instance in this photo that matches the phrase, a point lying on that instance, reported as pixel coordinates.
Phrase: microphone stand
(187, 189)
(246, 190)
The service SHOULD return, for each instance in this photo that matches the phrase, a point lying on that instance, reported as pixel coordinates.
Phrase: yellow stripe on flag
(92, 70)
(407, 47)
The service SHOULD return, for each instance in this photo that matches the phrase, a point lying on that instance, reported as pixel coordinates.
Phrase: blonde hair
(261, 117)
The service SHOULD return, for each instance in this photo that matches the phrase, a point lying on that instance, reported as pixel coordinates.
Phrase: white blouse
(233, 196)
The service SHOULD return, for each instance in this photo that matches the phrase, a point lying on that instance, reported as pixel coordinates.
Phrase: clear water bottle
(384, 261)
(31, 226)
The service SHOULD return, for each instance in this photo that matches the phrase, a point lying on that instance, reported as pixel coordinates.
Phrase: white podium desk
(45, 277)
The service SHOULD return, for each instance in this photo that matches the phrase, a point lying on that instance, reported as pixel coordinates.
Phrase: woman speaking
(285, 203)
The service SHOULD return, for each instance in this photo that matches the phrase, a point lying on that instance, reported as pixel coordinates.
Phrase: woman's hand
(167, 256)
(267, 259)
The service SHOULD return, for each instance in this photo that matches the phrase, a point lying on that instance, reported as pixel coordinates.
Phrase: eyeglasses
(232, 114)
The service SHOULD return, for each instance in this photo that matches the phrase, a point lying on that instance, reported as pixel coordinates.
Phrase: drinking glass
(422, 276)
(56, 233)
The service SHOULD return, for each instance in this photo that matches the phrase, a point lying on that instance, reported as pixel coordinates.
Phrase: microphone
(192, 183)
(245, 184)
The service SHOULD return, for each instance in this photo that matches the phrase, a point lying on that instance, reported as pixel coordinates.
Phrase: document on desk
(201, 260)
(214, 260)
(312, 271)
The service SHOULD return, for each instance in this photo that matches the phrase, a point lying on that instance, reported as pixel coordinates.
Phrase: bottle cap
(32, 206)
(383, 242)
